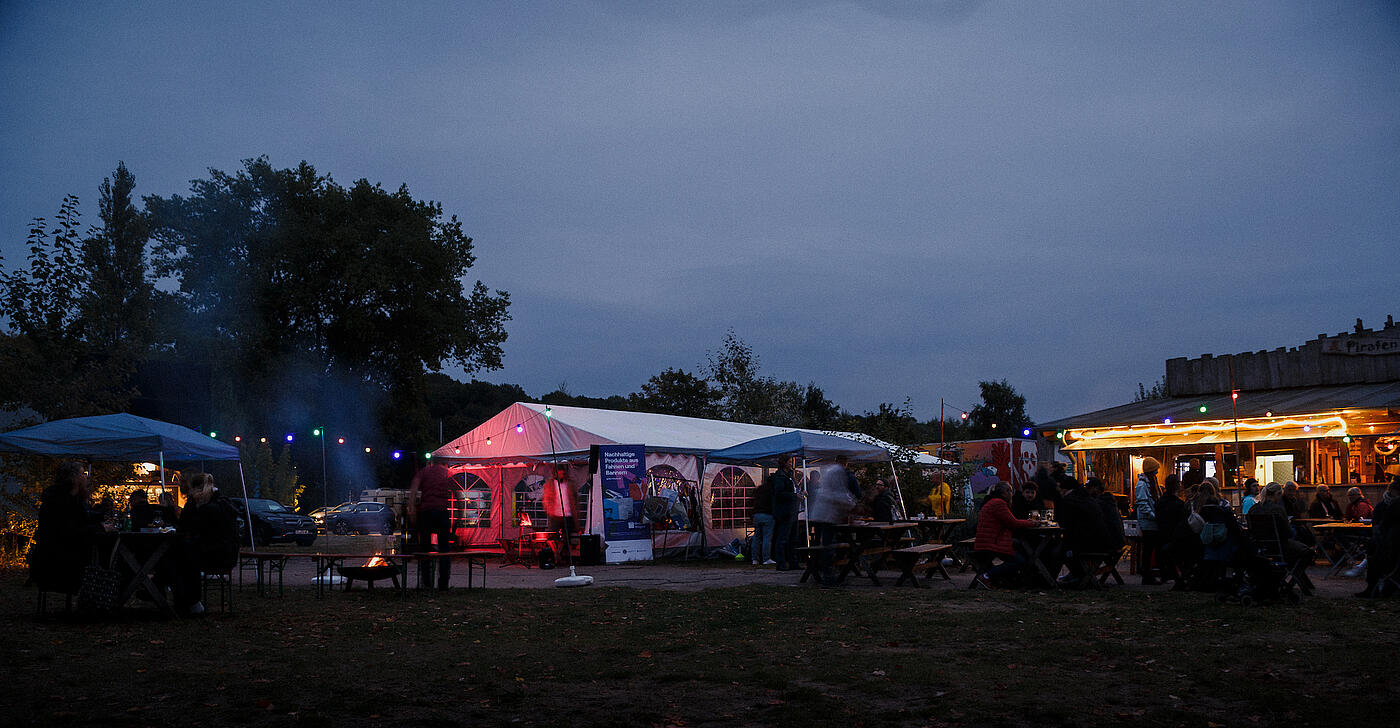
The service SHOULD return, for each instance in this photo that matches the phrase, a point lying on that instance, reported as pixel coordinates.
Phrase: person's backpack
(1214, 534)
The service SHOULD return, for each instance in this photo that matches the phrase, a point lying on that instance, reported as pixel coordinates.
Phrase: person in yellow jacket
(940, 496)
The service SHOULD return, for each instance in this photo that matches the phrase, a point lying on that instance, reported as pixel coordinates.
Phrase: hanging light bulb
(520, 428)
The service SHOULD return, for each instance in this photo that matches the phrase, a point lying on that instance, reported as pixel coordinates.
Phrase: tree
(50, 363)
(1158, 391)
(269, 477)
(745, 396)
(677, 392)
(1002, 412)
(290, 278)
(120, 297)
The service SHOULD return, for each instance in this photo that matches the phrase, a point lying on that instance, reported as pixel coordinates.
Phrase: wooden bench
(1109, 567)
(963, 553)
(812, 554)
(925, 557)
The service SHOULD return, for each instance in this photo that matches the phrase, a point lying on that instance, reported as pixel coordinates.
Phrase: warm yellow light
(1199, 427)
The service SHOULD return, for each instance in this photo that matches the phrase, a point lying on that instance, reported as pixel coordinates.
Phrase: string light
(398, 454)
(1196, 428)
(316, 432)
(366, 450)
(238, 438)
(340, 441)
(213, 434)
(290, 437)
(519, 428)
(262, 439)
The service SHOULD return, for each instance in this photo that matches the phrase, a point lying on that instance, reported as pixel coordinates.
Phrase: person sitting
(1180, 549)
(1384, 553)
(1359, 507)
(1025, 500)
(68, 530)
(995, 527)
(1292, 502)
(143, 513)
(884, 506)
(1324, 505)
(1251, 495)
(1080, 516)
(1272, 508)
(208, 529)
(1208, 494)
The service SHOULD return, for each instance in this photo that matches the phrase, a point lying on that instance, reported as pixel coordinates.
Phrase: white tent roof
(522, 433)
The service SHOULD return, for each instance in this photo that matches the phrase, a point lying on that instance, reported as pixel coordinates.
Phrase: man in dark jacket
(208, 530)
(885, 507)
(786, 505)
(1079, 515)
(1324, 505)
(1384, 553)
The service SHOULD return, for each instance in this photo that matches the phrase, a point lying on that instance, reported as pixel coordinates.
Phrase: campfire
(376, 568)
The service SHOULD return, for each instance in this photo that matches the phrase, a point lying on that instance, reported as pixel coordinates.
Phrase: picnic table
(1351, 538)
(1037, 541)
(870, 544)
(142, 552)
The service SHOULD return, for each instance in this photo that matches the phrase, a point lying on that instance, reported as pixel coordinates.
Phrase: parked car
(319, 515)
(362, 517)
(274, 522)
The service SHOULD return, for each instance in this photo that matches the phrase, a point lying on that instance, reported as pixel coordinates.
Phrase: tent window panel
(471, 504)
(730, 491)
(529, 501)
(667, 483)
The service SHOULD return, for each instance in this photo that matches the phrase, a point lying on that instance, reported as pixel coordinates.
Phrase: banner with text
(623, 471)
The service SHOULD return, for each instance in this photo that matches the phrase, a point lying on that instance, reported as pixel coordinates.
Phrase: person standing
(786, 505)
(429, 496)
(1384, 553)
(940, 496)
(558, 500)
(830, 499)
(762, 504)
(1145, 496)
(1194, 476)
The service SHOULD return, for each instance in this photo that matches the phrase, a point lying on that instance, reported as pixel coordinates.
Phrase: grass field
(754, 655)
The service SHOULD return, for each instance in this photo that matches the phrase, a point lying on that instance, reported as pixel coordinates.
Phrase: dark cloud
(891, 199)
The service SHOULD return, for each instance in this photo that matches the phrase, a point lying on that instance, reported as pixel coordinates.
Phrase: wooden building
(1324, 412)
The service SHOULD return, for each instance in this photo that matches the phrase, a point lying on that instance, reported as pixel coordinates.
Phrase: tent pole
(162, 472)
(897, 493)
(703, 462)
(247, 509)
(807, 525)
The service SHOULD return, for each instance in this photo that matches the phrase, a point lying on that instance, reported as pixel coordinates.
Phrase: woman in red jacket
(994, 539)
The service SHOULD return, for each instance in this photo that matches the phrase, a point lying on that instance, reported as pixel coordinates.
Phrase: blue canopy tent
(807, 446)
(121, 438)
(116, 438)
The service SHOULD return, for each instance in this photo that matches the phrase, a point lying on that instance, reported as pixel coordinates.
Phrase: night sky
(892, 200)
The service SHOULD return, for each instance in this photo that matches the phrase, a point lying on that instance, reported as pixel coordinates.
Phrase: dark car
(364, 517)
(274, 522)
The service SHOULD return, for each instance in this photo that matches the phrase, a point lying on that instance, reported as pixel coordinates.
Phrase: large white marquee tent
(503, 465)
